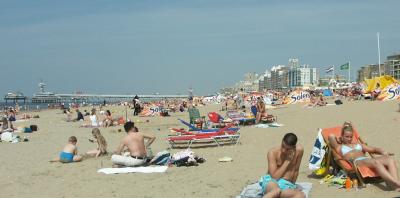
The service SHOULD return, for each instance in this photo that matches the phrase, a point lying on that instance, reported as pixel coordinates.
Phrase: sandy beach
(26, 172)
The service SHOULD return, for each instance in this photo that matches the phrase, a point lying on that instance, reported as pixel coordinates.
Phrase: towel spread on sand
(268, 125)
(255, 191)
(149, 169)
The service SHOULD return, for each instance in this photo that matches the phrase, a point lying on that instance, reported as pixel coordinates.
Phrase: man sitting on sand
(283, 169)
(70, 152)
(134, 142)
(79, 116)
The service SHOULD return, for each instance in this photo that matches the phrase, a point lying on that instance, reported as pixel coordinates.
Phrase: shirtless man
(134, 142)
(283, 169)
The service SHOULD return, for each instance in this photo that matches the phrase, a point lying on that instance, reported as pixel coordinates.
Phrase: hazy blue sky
(144, 47)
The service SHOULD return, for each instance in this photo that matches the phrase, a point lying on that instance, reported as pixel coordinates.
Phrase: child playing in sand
(70, 152)
(101, 144)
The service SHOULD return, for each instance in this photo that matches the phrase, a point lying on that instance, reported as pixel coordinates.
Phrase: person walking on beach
(283, 169)
(134, 141)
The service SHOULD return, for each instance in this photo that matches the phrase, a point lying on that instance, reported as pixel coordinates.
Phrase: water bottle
(347, 184)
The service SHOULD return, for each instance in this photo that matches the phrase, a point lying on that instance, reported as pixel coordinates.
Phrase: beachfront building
(293, 75)
(265, 81)
(249, 84)
(368, 72)
(279, 77)
(302, 76)
(392, 66)
(276, 78)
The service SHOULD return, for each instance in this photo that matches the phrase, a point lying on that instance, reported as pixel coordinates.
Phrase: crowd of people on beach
(283, 160)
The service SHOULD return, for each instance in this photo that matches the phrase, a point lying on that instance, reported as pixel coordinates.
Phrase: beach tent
(327, 92)
(383, 81)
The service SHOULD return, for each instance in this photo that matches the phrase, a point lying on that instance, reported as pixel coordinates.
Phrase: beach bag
(34, 127)
(338, 102)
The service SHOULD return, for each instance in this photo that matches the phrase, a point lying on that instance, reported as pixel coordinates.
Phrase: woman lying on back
(355, 152)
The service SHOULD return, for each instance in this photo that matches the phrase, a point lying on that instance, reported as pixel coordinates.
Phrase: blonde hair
(101, 141)
(347, 126)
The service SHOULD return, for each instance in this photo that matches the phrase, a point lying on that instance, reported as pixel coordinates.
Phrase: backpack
(34, 127)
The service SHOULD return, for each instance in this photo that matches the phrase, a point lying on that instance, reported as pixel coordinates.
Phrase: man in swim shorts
(134, 142)
(283, 169)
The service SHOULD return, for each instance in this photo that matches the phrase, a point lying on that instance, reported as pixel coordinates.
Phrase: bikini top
(347, 149)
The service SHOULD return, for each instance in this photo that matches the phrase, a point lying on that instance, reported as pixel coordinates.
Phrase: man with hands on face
(283, 169)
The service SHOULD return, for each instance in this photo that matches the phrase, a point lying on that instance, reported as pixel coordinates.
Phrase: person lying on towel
(384, 164)
(135, 144)
(283, 169)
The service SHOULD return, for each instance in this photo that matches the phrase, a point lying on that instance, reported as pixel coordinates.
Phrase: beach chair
(240, 118)
(217, 120)
(364, 174)
(219, 137)
(268, 119)
(194, 128)
(195, 118)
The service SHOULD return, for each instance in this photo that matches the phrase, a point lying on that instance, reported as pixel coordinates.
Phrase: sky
(147, 47)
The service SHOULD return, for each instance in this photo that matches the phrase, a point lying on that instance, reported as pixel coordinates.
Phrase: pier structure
(79, 98)
(15, 97)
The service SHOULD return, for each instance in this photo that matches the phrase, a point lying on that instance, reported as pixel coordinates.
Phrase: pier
(50, 97)
(77, 98)
(16, 97)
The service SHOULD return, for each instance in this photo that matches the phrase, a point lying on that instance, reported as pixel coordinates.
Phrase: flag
(327, 70)
(344, 66)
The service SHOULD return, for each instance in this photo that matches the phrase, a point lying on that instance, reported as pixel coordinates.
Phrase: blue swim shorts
(66, 157)
(282, 183)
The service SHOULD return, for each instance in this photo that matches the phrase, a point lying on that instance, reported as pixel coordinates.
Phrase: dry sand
(26, 172)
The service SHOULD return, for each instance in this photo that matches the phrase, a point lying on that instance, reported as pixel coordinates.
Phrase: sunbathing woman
(108, 120)
(261, 112)
(354, 152)
(101, 144)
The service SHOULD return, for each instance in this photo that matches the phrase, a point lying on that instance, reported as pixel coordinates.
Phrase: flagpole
(379, 54)
(349, 71)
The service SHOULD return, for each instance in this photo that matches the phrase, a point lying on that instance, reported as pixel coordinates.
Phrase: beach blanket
(255, 191)
(149, 169)
(268, 125)
(318, 153)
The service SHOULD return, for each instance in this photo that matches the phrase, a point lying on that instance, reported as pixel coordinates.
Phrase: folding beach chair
(240, 118)
(217, 120)
(268, 119)
(194, 128)
(363, 173)
(219, 137)
(195, 118)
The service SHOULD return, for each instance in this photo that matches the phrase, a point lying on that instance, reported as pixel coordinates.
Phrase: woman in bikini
(355, 152)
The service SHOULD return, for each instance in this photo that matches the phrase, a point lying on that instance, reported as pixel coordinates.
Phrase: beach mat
(149, 169)
(268, 125)
(254, 190)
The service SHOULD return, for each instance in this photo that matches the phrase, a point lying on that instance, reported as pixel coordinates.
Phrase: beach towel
(149, 169)
(255, 191)
(268, 125)
(318, 153)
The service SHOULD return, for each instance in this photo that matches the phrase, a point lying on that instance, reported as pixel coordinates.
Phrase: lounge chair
(364, 174)
(240, 118)
(268, 119)
(217, 120)
(194, 128)
(195, 118)
(219, 137)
